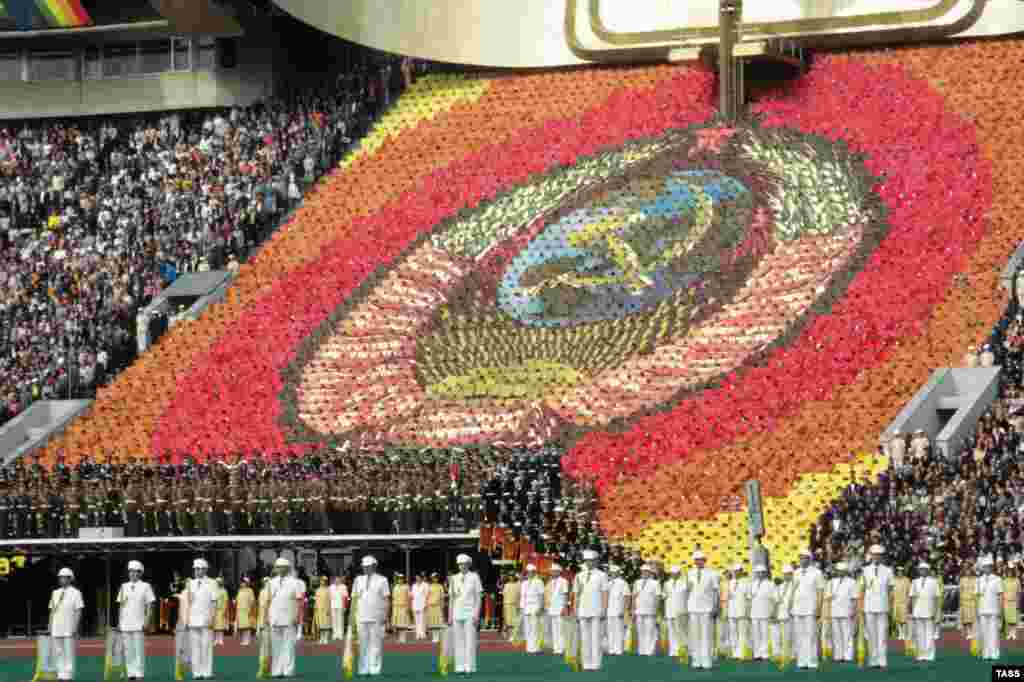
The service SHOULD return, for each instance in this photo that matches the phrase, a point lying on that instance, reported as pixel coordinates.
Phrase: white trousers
(702, 640)
(616, 635)
(420, 619)
(782, 634)
(533, 627)
(556, 628)
(646, 634)
(64, 657)
(464, 646)
(739, 635)
(200, 642)
(988, 636)
(134, 653)
(724, 631)
(246, 637)
(371, 648)
(676, 634)
(805, 641)
(923, 632)
(876, 632)
(338, 624)
(842, 639)
(760, 635)
(590, 643)
(282, 650)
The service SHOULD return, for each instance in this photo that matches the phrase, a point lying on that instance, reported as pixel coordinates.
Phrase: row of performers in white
(758, 619)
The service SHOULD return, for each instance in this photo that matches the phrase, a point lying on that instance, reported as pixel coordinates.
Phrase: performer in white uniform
(559, 602)
(136, 601)
(420, 597)
(531, 605)
(702, 606)
(763, 595)
(466, 593)
(618, 607)
(201, 598)
(843, 594)
(338, 595)
(739, 612)
(676, 594)
(372, 596)
(66, 606)
(590, 590)
(782, 621)
(990, 611)
(646, 600)
(925, 606)
(878, 583)
(808, 590)
(284, 610)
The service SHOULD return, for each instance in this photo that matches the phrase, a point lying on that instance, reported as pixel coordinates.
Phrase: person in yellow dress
(510, 605)
(435, 607)
(968, 602)
(1011, 597)
(900, 598)
(220, 616)
(244, 620)
(322, 611)
(401, 608)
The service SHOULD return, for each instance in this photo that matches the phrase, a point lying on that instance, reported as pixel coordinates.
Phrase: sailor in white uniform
(287, 594)
(557, 607)
(763, 596)
(201, 594)
(843, 594)
(676, 595)
(66, 606)
(531, 605)
(990, 610)
(590, 592)
(618, 608)
(646, 600)
(878, 584)
(371, 595)
(338, 596)
(808, 591)
(925, 608)
(135, 599)
(466, 593)
(702, 607)
(739, 612)
(782, 620)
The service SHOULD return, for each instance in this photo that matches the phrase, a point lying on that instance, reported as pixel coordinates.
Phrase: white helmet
(135, 566)
(463, 559)
(66, 572)
(281, 561)
(200, 563)
(369, 561)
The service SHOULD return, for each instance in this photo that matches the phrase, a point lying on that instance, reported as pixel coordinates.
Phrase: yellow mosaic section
(429, 96)
(787, 522)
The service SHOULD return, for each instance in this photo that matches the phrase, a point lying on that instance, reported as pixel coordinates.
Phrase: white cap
(463, 559)
(923, 564)
(589, 555)
(841, 566)
(614, 568)
(647, 567)
(369, 561)
(698, 555)
(986, 561)
(674, 570)
(135, 566)
(787, 569)
(760, 567)
(555, 568)
(65, 572)
(200, 563)
(281, 561)
(530, 567)
(877, 549)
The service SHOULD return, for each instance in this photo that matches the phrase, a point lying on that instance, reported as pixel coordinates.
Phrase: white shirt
(676, 594)
(201, 594)
(843, 593)
(65, 606)
(374, 594)
(703, 596)
(420, 596)
(283, 609)
(923, 593)
(785, 592)
(338, 594)
(531, 597)
(877, 583)
(559, 596)
(807, 584)
(134, 597)
(646, 593)
(590, 587)
(989, 590)
(762, 598)
(466, 594)
(739, 598)
(618, 588)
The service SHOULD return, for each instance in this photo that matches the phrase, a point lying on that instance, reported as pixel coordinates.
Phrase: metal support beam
(729, 78)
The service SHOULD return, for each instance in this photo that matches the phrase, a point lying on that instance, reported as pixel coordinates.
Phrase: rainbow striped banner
(63, 13)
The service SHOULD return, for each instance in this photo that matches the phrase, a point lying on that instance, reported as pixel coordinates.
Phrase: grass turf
(513, 667)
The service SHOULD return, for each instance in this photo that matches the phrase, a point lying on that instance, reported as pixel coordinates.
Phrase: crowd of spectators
(98, 215)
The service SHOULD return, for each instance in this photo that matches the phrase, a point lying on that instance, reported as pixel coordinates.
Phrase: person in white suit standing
(878, 584)
(557, 605)
(287, 594)
(372, 597)
(702, 605)
(763, 598)
(590, 594)
(618, 607)
(201, 594)
(466, 593)
(676, 594)
(420, 597)
(739, 612)
(808, 592)
(782, 622)
(925, 608)
(844, 594)
(531, 605)
(66, 606)
(990, 610)
(646, 600)
(136, 600)
(337, 593)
